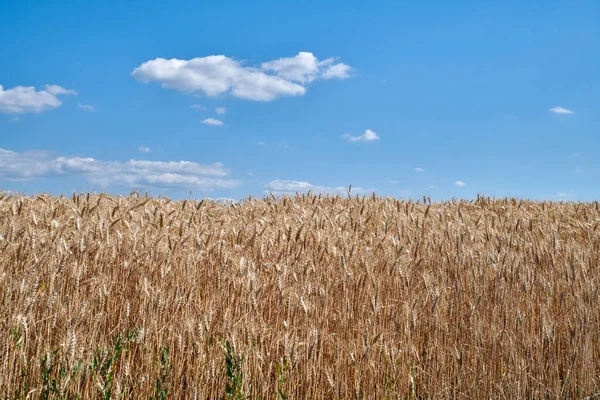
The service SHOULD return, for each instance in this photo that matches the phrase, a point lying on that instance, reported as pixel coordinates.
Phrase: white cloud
(560, 110)
(432, 187)
(86, 107)
(24, 166)
(305, 68)
(58, 90)
(419, 169)
(279, 187)
(562, 194)
(133, 173)
(340, 71)
(15, 119)
(198, 107)
(578, 170)
(283, 145)
(144, 149)
(460, 184)
(223, 200)
(218, 75)
(26, 99)
(212, 121)
(221, 110)
(368, 136)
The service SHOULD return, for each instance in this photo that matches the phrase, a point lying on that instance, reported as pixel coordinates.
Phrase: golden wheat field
(300, 297)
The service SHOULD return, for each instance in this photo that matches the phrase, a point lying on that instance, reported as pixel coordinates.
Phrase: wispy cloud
(26, 99)
(432, 187)
(221, 110)
(223, 200)
(144, 149)
(217, 75)
(419, 169)
(560, 110)
(305, 68)
(578, 170)
(283, 145)
(368, 136)
(460, 184)
(58, 90)
(212, 121)
(86, 107)
(289, 187)
(198, 107)
(133, 173)
(340, 71)
(562, 194)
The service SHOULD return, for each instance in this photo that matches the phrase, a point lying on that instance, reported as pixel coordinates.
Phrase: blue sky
(226, 99)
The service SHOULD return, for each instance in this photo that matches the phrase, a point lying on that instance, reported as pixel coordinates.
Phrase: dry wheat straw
(359, 297)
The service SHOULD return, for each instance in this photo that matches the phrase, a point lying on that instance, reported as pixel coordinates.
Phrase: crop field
(301, 297)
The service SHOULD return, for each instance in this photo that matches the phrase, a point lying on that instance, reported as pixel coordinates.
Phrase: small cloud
(15, 119)
(305, 68)
(28, 166)
(394, 181)
(562, 194)
(418, 169)
(221, 110)
(26, 99)
(368, 136)
(460, 184)
(279, 187)
(339, 71)
(144, 149)
(578, 170)
(223, 200)
(560, 110)
(432, 187)
(283, 145)
(198, 107)
(212, 121)
(58, 90)
(575, 154)
(86, 107)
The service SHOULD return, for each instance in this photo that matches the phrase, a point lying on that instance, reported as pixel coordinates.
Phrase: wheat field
(301, 297)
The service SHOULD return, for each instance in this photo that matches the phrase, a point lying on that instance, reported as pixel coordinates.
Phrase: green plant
(104, 362)
(14, 332)
(162, 388)
(51, 383)
(233, 366)
(281, 370)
